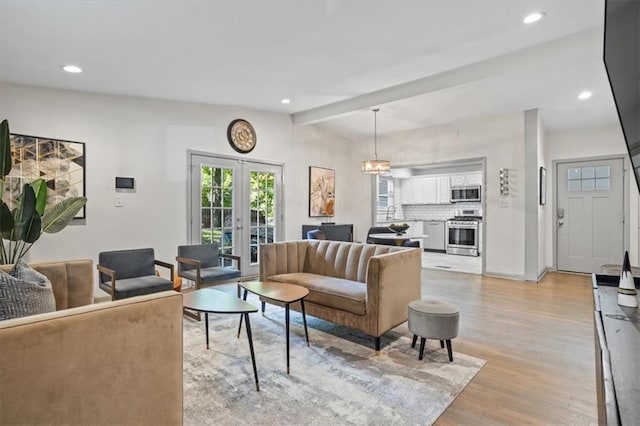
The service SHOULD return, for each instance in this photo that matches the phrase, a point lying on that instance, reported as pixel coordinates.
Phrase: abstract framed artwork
(543, 186)
(322, 184)
(59, 162)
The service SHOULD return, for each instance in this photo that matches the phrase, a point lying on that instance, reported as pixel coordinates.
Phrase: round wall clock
(241, 136)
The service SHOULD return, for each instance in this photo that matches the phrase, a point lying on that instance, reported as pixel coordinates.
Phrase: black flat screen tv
(622, 62)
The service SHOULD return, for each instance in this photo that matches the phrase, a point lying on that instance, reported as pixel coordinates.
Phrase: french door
(236, 204)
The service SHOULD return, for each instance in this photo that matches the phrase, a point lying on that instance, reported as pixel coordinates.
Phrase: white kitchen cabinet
(467, 179)
(415, 191)
(425, 190)
(430, 187)
(419, 191)
(444, 190)
(407, 191)
(474, 178)
(458, 180)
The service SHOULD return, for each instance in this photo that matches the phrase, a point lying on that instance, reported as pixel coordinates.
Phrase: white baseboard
(507, 276)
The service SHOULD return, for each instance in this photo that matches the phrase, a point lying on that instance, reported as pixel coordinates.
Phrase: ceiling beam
(520, 59)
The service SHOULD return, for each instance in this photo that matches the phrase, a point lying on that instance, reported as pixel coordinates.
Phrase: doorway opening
(443, 204)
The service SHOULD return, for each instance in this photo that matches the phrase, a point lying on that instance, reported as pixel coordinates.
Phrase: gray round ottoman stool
(431, 318)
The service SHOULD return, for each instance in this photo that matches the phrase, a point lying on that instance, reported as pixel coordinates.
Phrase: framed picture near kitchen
(543, 186)
(322, 184)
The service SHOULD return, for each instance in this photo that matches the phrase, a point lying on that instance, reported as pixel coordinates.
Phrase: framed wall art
(322, 184)
(543, 186)
(60, 163)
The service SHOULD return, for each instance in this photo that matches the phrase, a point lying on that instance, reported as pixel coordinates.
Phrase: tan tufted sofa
(362, 286)
(92, 364)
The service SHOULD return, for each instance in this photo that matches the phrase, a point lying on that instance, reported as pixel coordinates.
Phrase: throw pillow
(25, 291)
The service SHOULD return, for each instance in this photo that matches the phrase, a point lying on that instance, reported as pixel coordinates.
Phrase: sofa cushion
(211, 275)
(338, 293)
(25, 292)
(131, 287)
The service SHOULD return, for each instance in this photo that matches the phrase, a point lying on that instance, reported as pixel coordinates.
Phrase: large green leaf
(40, 188)
(31, 231)
(26, 206)
(58, 217)
(5, 149)
(6, 218)
(27, 220)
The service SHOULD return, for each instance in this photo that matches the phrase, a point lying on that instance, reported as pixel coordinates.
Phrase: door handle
(560, 223)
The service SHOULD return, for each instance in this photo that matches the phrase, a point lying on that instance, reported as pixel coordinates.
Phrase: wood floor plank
(538, 343)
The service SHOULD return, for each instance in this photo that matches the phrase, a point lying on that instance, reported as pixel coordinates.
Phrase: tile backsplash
(434, 211)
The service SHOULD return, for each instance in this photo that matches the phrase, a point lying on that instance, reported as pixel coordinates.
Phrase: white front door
(589, 214)
(236, 204)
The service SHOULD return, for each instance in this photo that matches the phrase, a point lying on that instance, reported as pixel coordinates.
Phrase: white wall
(148, 139)
(501, 141)
(532, 209)
(542, 210)
(316, 146)
(583, 144)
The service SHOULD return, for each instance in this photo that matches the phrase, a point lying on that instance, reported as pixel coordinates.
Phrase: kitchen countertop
(384, 222)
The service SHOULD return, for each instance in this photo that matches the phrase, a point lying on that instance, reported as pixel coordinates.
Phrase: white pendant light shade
(375, 166)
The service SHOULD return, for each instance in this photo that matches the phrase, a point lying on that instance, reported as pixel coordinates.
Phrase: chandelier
(375, 166)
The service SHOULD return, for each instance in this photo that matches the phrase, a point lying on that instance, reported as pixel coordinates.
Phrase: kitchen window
(384, 196)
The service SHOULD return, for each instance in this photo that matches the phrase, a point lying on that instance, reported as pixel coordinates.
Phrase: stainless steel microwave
(465, 193)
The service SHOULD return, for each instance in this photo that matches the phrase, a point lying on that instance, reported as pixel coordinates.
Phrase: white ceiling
(422, 62)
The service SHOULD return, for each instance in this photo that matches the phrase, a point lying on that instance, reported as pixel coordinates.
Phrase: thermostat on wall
(125, 184)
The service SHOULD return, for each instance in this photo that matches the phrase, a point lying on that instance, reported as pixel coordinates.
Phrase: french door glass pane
(216, 185)
(263, 211)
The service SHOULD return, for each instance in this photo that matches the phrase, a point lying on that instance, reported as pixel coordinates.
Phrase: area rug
(336, 380)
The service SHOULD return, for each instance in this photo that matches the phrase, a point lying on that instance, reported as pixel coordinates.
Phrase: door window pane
(206, 196)
(227, 218)
(216, 187)
(217, 218)
(216, 194)
(588, 184)
(206, 218)
(574, 174)
(603, 184)
(263, 211)
(588, 172)
(574, 185)
(603, 172)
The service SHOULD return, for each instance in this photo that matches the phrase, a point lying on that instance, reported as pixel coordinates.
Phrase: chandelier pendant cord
(375, 132)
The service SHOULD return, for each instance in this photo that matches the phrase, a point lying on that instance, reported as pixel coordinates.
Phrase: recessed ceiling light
(74, 69)
(584, 95)
(533, 17)
(285, 101)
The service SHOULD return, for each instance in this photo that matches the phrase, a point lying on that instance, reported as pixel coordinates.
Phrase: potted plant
(23, 225)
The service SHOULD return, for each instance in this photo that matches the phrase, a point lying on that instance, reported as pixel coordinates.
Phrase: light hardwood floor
(538, 343)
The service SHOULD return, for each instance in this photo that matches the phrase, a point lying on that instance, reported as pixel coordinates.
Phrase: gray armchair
(200, 263)
(128, 273)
